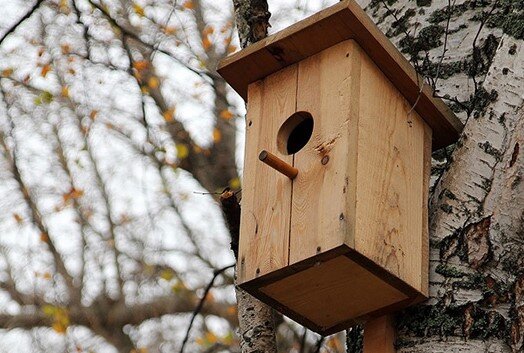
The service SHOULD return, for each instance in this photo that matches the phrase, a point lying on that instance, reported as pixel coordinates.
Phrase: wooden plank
(266, 204)
(379, 335)
(324, 194)
(256, 287)
(390, 178)
(333, 291)
(342, 21)
(424, 285)
(288, 55)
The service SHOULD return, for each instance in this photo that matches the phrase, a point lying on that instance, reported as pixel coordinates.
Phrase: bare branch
(444, 49)
(135, 314)
(201, 304)
(152, 47)
(25, 320)
(84, 224)
(10, 287)
(34, 211)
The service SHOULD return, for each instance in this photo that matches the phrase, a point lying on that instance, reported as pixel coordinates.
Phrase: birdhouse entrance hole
(295, 133)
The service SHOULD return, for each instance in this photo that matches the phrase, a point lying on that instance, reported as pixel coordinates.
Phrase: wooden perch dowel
(278, 164)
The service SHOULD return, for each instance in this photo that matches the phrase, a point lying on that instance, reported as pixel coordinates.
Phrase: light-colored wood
(390, 178)
(279, 165)
(347, 238)
(324, 194)
(379, 335)
(342, 21)
(333, 291)
(281, 49)
(266, 204)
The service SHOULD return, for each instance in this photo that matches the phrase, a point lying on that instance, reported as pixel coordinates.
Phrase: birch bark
(256, 320)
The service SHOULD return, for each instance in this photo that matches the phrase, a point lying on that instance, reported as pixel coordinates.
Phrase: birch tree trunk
(472, 52)
(255, 319)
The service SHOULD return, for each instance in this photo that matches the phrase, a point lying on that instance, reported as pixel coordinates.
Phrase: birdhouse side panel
(266, 199)
(323, 200)
(424, 270)
(391, 222)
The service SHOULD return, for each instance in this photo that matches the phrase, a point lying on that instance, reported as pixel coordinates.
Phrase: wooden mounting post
(278, 164)
(379, 335)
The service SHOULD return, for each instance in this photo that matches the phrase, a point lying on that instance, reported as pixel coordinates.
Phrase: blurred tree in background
(108, 108)
(117, 135)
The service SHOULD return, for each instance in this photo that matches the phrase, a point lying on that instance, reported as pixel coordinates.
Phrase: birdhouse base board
(333, 290)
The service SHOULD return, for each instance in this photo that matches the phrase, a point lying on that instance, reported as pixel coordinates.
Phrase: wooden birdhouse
(334, 222)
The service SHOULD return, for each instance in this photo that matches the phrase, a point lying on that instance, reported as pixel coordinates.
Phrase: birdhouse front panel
(320, 245)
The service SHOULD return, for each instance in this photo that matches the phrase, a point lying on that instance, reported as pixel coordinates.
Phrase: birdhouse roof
(342, 21)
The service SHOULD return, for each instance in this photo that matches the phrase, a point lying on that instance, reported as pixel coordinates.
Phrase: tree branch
(152, 47)
(252, 19)
(198, 309)
(34, 211)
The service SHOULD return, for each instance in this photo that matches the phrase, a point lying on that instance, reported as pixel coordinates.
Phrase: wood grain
(340, 22)
(379, 335)
(324, 194)
(333, 291)
(266, 204)
(279, 165)
(390, 178)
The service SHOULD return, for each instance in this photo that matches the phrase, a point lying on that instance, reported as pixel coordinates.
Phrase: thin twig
(35, 214)
(413, 60)
(166, 23)
(206, 193)
(482, 22)
(444, 50)
(134, 36)
(201, 304)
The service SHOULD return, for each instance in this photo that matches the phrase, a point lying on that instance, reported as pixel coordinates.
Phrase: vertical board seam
(356, 69)
(292, 181)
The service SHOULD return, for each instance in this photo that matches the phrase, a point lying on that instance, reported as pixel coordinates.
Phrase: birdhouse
(339, 135)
